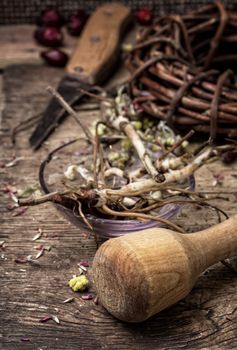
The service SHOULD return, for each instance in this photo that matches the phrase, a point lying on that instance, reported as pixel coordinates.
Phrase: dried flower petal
(80, 271)
(11, 206)
(20, 260)
(218, 179)
(96, 300)
(68, 300)
(39, 247)
(45, 318)
(2, 243)
(41, 252)
(19, 211)
(84, 263)
(82, 267)
(25, 338)
(38, 235)
(55, 319)
(47, 247)
(13, 197)
(87, 297)
(9, 188)
(13, 162)
(235, 197)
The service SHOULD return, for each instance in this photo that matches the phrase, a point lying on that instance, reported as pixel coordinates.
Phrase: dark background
(25, 11)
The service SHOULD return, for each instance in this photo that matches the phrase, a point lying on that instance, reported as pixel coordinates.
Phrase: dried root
(135, 167)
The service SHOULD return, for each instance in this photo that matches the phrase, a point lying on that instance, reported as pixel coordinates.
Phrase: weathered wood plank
(206, 319)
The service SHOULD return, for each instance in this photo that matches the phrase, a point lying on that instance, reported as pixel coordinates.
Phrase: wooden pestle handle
(98, 45)
(140, 274)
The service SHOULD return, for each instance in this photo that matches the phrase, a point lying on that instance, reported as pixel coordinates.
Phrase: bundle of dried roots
(181, 70)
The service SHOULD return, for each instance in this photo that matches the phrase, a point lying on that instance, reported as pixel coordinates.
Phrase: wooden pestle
(142, 273)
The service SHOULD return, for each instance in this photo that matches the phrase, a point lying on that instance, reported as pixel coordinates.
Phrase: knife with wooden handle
(91, 63)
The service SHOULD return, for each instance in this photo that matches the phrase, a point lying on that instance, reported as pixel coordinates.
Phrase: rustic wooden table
(206, 319)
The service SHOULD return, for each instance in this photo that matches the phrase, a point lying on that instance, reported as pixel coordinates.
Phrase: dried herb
(79, 283)
(107, 186)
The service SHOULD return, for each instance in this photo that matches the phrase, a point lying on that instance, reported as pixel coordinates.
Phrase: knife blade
(91, 63)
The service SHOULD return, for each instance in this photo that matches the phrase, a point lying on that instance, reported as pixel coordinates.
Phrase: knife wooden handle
(99, 43)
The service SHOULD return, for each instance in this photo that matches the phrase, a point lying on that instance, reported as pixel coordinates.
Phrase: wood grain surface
(206, 319)
(18, 45)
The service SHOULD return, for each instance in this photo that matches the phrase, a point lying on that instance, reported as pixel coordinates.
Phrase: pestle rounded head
(120, 281)
(140, 274)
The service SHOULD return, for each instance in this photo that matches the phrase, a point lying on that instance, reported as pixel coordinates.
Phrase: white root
(113, 171)
(172, 163)
(85, 174)
(147, 185)
(121, 123)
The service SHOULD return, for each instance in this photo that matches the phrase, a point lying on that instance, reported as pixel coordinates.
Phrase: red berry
(229, 157)
(48, 36)
(55, 57)
(144, 16)
(76, 22)
(50, 17)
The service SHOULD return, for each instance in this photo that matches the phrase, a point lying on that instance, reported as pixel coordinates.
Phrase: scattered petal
(39, 247)
(84, 263)
(96, 300)
(82, 267)
(46, 318)
(20, 260)
(218, 179)
(41, 252)
(25, 338)
(55, 319)
(68, 300)
(12, 206)
(80, 271)
(38, 235)
(9, 188)
(235, 197)
(13, 162)
(13, 197)
(87, 297)
(47, 247)
(19, 211)
(2, 243)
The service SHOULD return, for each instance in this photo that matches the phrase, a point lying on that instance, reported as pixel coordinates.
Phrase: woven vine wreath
(182, 70)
